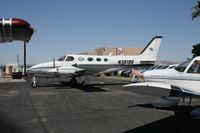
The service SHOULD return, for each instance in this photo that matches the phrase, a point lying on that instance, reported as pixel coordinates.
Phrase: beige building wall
(114, 51)
(106, 51)
(1, 73)
(89, 53)
(132, 51)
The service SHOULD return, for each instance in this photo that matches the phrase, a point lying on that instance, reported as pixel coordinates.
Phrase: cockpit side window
(195, 67)
(182, 67)
(61, 58)
(69, 58)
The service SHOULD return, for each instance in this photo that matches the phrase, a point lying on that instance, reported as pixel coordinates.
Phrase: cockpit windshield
(61, 58)
(182, 66)
(69, 58)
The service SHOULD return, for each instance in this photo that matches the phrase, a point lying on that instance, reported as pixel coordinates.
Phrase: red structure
(15, 29)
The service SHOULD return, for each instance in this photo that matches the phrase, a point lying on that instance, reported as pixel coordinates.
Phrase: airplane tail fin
(151, 50)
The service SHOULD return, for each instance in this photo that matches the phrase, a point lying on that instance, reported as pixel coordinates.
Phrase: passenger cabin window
(98, 59)
(159, 67)
(171, 67)
(105, 59)
(152, 68)
(80, 58)
(90, 59)
(61, 58)
(69, 58)
(195, 67)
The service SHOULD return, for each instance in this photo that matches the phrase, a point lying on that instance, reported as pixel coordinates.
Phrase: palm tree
(196, 10)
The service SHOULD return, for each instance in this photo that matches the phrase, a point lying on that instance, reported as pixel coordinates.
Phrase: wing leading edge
(159, 89)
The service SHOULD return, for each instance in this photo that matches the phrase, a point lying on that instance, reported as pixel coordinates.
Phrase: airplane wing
(159, 89)
(162, 90)
(110, 70)
(68, 71)
(133, 71)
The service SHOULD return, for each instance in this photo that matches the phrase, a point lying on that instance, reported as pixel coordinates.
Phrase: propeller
(54, 65)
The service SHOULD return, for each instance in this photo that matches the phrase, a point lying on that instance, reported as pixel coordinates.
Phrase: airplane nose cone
(38, 67)
(34, 66)
(31, 70)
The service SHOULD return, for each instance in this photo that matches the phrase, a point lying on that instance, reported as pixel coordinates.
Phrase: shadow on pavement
(84, 87)
(7, 126)
(180, 122)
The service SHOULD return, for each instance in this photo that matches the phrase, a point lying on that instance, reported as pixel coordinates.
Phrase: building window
(98, 59)
(80, 58)
(90, 59)
(105, 59)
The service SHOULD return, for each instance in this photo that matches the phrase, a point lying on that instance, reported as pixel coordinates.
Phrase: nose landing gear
(34, 82)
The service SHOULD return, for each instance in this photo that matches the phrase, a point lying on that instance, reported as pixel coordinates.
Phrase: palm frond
(196, 10)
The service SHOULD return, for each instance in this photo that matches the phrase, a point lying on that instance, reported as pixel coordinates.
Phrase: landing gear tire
(34, 84)
(73, 81)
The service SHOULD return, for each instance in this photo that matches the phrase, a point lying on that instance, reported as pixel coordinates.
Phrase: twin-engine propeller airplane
(79, 65)
(182, 81)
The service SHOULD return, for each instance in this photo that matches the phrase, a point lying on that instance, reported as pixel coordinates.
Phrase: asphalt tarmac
(101, 107)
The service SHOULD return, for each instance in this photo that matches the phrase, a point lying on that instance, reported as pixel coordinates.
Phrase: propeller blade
(54, 65)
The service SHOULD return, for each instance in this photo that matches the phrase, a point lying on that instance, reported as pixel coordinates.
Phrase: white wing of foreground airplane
(78, 65)
(183, 81)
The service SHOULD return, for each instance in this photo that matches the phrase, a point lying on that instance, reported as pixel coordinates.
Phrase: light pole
(25, 74)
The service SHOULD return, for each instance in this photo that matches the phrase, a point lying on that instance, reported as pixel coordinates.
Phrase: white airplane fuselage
(93, 64)
(177, 77)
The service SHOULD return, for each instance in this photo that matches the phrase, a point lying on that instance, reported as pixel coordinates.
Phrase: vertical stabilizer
(151, 50)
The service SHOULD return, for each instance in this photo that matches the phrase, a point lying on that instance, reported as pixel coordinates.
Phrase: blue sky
(74, 26)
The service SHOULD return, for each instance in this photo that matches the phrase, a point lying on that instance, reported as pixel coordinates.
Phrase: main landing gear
(73, 81)
(34, 83)
(190, 101)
